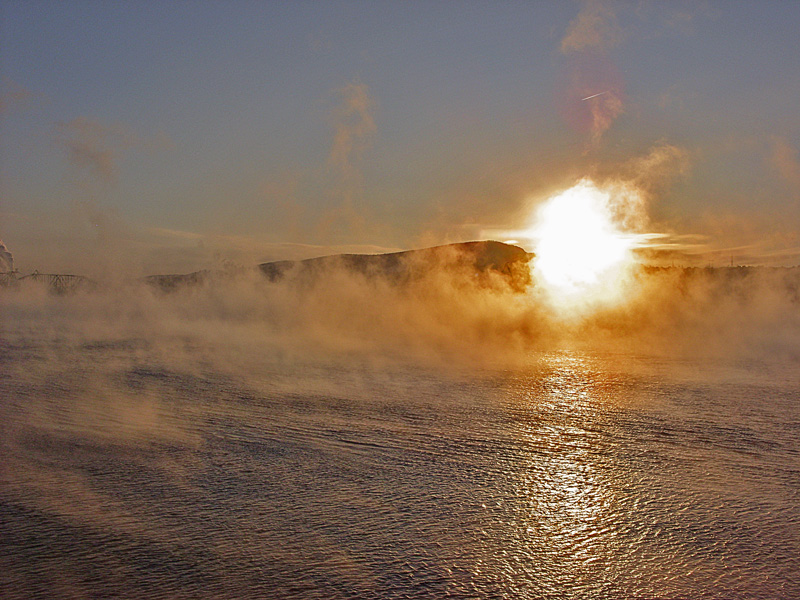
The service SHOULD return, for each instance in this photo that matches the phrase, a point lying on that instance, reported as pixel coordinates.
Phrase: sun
(582, 256)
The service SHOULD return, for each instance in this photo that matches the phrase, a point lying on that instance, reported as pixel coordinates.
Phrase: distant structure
(56, 282)
(8, 278)
(61, 284)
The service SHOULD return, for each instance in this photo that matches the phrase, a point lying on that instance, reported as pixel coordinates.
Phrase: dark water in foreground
(580, 477)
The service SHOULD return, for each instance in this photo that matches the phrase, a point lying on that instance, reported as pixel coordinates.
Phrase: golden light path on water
(570, 511)
(588, 515)
(582, 254)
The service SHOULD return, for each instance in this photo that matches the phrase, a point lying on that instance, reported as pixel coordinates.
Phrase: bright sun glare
(581, 254)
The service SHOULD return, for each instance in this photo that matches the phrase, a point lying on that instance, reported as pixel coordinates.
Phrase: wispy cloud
(658, 167)
(595, 28)
(604, 112)
(13, 95)
(353, 122)
(594, 91)
(785, 160)
(93, 147)
(354, 125)
(678, 17)
(725, 239)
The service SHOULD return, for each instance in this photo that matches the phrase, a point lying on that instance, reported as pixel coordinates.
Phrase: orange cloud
(92, 146)
(354, 125)
(595, 27)
(784, 159)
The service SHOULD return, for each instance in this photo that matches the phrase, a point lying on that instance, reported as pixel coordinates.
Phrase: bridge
(8, 278)
(57, 282)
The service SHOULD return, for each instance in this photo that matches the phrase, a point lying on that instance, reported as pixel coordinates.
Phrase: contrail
(594, 95)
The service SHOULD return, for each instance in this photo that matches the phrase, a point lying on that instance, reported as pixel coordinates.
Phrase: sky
(155, 137)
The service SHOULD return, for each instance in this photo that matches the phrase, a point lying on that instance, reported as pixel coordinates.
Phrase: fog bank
(430, 308)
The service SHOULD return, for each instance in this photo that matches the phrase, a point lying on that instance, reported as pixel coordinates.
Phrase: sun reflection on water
(565, 516)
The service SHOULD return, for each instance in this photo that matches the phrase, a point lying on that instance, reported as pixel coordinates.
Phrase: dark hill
(488, 260)
(466, 258)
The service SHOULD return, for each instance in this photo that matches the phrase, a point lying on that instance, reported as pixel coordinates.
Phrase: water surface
(129, 474)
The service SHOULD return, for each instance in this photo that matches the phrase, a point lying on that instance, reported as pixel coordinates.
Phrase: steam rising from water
(6, 259)
(346, 434)
(445, 317)
(447, 320)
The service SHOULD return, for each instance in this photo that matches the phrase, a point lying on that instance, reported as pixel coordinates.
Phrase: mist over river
(363, 300)
(197, 446)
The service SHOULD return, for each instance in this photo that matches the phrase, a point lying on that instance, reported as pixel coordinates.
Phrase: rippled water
(124, 475)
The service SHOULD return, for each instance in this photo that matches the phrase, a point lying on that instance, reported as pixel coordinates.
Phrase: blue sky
(170, 136)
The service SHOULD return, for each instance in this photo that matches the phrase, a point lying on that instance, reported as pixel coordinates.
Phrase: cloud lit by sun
(582, 255)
